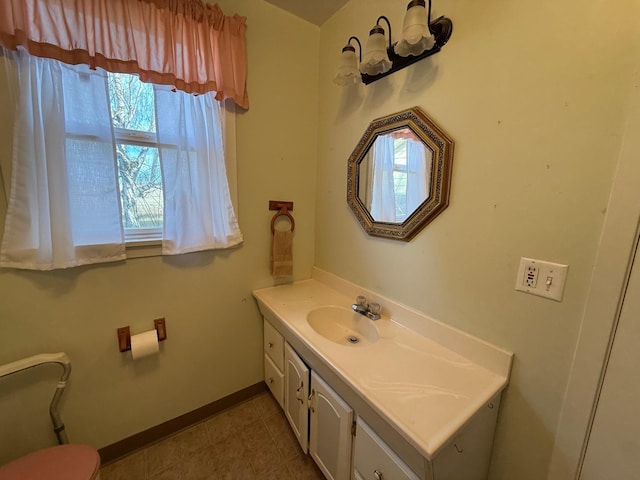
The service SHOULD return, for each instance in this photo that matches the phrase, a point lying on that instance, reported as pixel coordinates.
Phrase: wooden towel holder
(283, 208)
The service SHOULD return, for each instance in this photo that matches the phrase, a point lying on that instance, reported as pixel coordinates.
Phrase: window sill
(146, 248)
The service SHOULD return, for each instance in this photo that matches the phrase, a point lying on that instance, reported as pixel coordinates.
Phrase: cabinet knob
(270, 345)
(270, 380)
(377, 474)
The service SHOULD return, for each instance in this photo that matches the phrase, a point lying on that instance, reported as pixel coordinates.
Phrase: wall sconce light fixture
(420, 39)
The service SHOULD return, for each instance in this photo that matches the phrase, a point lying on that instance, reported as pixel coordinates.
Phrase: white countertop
(427, 391)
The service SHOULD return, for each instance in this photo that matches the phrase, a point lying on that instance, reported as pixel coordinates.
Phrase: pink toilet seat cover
(64, 462)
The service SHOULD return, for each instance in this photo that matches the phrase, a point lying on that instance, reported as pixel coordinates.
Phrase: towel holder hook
(283, 209)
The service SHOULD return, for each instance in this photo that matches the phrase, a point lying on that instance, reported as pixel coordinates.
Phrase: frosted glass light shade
(375, 59)
(416, 37)
(348, 73)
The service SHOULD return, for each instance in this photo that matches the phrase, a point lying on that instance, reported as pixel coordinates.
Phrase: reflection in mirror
(395, 176)
(399, 175)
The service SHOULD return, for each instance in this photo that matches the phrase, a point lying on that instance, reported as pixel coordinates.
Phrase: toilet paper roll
(144, 344)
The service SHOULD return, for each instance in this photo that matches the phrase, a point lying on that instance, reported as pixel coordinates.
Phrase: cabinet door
(296, 378)
(330, 435)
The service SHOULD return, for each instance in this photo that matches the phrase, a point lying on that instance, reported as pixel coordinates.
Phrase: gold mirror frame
(436, 140)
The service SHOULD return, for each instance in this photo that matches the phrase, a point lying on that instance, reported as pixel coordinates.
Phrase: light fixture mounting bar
(441, 28)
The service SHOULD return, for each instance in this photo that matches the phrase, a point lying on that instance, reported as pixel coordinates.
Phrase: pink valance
(188, 44)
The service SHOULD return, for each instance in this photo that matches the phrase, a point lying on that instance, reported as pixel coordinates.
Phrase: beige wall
(214, 328)
(534, 94)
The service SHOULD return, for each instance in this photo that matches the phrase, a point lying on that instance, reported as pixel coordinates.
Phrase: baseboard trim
(142, 439)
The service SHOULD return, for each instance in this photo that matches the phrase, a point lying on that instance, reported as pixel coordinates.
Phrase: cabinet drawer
(374, 460)
(274, 345)
(274, 379)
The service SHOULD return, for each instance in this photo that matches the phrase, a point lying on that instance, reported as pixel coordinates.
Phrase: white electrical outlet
(545, 279)
(530, 275)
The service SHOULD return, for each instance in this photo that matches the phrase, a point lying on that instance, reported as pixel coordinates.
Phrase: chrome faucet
(369, 310)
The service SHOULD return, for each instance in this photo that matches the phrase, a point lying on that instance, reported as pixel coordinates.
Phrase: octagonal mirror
(399, 175)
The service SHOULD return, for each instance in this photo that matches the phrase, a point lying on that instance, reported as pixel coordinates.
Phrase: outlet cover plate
(550, 278)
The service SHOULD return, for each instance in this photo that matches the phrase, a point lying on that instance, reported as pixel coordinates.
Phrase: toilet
(62, 462)
(66, 461)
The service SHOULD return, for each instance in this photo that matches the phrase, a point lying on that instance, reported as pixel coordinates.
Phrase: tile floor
(250, 441)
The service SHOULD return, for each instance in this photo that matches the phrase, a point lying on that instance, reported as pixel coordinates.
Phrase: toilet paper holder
(124, 334)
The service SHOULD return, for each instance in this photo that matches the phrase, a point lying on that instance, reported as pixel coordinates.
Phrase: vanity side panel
(468, 455)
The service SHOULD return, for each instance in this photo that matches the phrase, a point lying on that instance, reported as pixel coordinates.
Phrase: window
(89, 163)
(101, 158)
(394, 176)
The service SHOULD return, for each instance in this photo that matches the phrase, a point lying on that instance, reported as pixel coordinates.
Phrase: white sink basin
(343, 325)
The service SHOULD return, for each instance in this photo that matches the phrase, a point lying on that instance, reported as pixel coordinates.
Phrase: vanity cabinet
(402, 430)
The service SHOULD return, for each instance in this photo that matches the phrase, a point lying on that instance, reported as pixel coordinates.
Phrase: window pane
(400, 151)
(140, 186)
(139, 174)
(93, 197)
(131, 102)
(400, 191)
(400, 178)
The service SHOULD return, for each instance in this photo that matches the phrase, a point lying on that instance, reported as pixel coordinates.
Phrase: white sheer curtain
(63, 204)
(383, 198)
(418, 174)
(198, 213)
